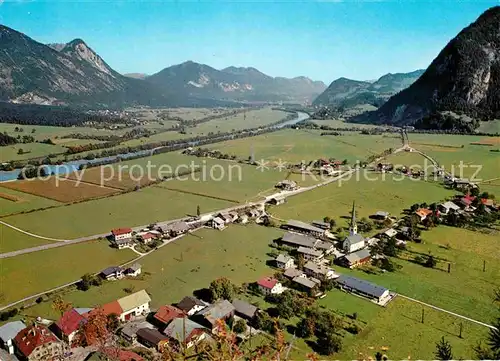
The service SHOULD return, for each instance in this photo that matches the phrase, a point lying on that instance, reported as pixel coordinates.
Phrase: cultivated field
(12, 240)
(59, 189)
(125, 210)
(335, 200)
(179, 268)
(250, 119)
(294, 146)
(23, 202)
(41, 271)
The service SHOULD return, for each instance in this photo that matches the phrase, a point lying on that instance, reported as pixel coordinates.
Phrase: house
(353, 243)
(121, 234)
(305, 228)
(284, 261)
(253, 213)
(218, 223)
(381, 215)
(305, 283)
(467, 200)
(183, 331)
(423, 213)
(243, 219)
(310, 253)
(325, 247)
(123, 243)
(68, 325)
(212, 316)
(234, 216)
(111, 308)
(277, 200)
(133, 270)
(37, 343)
(293, 272)
(167, 313)
(83, 310)
(151, 337)
(244, 309)
(178, 228)
(391, 232)
(363, 288)
(129, 331)
(447, 206)
(404, 232)
(355, 259)
(320, 272)
(287, 185)
(112, 273)
(191, 305)
(269, 285)
(136, 304)
(225, 217)
(8, 332)
(296, 240)
(147, 237)
(321, 224)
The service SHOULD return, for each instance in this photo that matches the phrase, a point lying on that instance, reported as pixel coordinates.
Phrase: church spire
(353, 229)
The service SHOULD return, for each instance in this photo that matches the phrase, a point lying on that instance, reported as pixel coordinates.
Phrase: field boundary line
(197, 194)
(449, 312)
(32, 234)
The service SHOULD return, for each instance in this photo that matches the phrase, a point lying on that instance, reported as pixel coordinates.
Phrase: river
(74, 165)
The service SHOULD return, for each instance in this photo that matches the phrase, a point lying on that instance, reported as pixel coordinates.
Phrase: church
(354, 241)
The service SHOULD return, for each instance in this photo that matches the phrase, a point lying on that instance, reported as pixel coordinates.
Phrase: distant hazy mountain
(348, 92)
(463, 78)
(233, 83)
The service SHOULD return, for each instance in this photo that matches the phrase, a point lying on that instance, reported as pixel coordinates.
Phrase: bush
(240, 326)
(39, 299)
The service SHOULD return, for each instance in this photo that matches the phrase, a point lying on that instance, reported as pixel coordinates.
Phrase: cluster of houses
(185, 323)
(116, 272)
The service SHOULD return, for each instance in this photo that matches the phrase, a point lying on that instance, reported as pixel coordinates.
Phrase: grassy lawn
(467, 290)
(410, 160)
(30, 150)
(335, 200)
(251, 119)
(25, 202)
(43, 270)
(126, 210)
(190, 263)
(294, 146)
(12, 240)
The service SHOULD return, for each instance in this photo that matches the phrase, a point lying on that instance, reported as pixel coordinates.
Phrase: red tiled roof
(487, 202)
(123, 355)
(267, 282)
(167, 313)
(423, 212)
(110, 308)
(32, 337)
(148, 236)
(70, 322)
(120, 231)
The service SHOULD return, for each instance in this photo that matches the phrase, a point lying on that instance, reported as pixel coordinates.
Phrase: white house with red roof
(122, 237)
(269, 285)
(68, 325)
(37, 343)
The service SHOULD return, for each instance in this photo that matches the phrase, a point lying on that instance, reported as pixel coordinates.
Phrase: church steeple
(353, 229)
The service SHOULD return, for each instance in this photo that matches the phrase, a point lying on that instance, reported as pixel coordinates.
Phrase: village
(307, 263)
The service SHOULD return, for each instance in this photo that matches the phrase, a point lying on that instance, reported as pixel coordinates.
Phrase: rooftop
(292, 273)
(134, 300)
(267, 282)
(283, 258)
(175, 329)
(244, 308)
(354, 238)
(10, 330)
(298, 239)
(362, 285)
(217, 311)
(70, 322)
(305, 282)
(304, 226)
(151, 335)
(167, 313)
(357, 256)
(188, 302)
(33, 336)
(121, 231)
(310, 251)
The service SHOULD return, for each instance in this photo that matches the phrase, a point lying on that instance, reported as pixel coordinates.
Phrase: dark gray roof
(362, 285)
(151, 335)
(298, 239)
(321, 224)
(244, 308)
(357, 256)
(110, 270)
(178, 325)
(303, 226)
(188, 302)
(10, 330)
(323, 245)
(283, 258)
(178, 227)
(219, 310)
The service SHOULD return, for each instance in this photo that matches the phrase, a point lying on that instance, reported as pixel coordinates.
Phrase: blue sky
(323, 40)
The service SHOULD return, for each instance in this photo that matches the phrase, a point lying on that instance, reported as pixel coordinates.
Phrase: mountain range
(464, 78)
(345, 92)
(73, 74)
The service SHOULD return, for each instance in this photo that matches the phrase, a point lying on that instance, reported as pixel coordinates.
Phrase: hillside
(345, 92)
(234, 83)
(464, 78)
